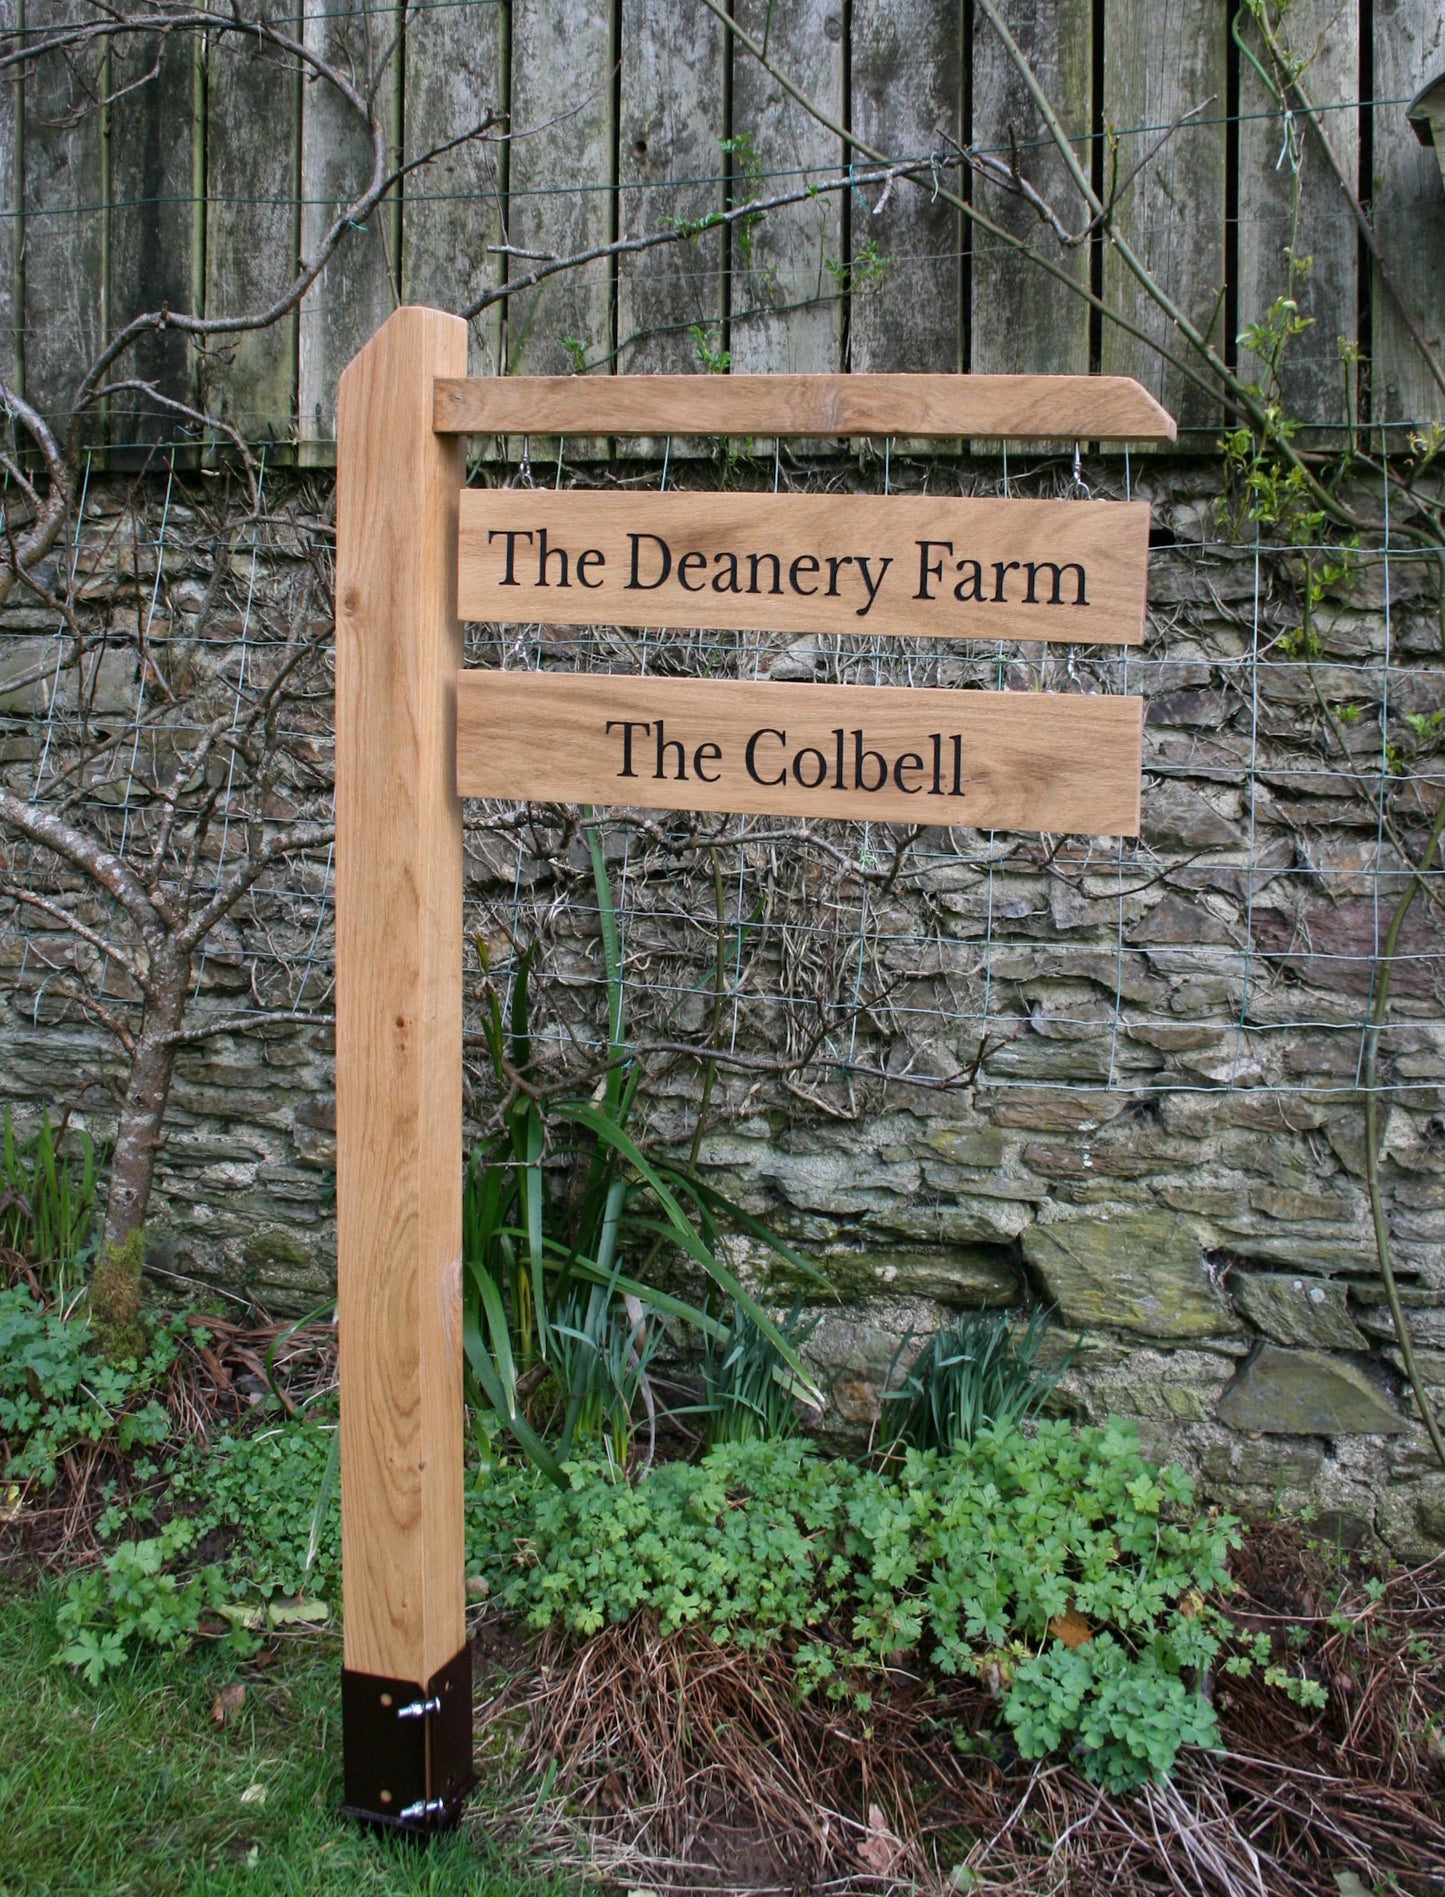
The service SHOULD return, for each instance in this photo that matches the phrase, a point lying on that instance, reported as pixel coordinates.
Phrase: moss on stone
(275, 1250)
(1143, 1273)
(1297, 1310)
(1306, 1393)
(961, 1276)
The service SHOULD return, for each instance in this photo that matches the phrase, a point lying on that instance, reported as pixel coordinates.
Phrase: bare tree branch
(302, 836)
(51, 512)
(67, 840)
(210, 1025)
(59, 913)
(687, 230)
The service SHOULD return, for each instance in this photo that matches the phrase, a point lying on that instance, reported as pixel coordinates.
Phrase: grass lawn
(133, 1787)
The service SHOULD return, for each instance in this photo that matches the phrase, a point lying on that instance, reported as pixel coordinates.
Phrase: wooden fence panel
(154, 252)
(253, 231)
(10, 357)
(357, 289)
(561, 198)
(787, 310)
(64, 240)
(621, 108)
(1024, 321)
(1291, 201)
(670, 306)
(1409, 213)
(451, 213)
(904, 312)
(1163, 58)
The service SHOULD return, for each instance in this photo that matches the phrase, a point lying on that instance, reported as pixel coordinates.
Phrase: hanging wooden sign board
(414, 733)
(854, 563)
(990, 760)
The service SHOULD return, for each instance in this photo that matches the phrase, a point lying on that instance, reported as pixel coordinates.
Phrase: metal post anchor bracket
(407, 1747)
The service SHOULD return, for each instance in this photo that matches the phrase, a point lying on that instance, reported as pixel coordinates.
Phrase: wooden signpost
(414, 733)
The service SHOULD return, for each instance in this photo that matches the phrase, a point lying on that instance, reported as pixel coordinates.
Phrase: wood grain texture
(64, 236)
(862, 564)
(398, 1011)
(253, 231)
(356, 290)
(1113, 408)
(600, 153)
(1022, 319)
(906, 100)
(787, 313)
(1161, 58)
(10, 105)
(452, 207)
(988, 760)
(154, 126)
(671, 128)
(1303, 210)
(1409, 213)
(561, 192)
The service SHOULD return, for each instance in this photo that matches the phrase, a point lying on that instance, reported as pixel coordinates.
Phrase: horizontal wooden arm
(1000, 407)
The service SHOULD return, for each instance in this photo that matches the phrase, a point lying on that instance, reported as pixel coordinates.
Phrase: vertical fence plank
(452, 207)
(64, 235)
(787, 308)
(561, 199)
(253, 171)
(906, 94)
(66, 276)
(1161, 58)
(670, 301)
(155, 232)
(1409, 213)
(356, 290)
(399, 1004)
(1290, 200)
(10, 352)
(1024, 321)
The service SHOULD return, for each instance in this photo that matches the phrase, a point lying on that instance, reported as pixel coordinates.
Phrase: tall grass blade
(972, 1374)
(501, 1395)
(682, 1230)
(323, 1499)
(611, 961)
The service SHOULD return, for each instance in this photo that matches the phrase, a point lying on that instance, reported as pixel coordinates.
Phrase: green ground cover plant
(58, 1391)
(965, 1560)
(1053, 1561)
(263, 1502)
(1082, 1578)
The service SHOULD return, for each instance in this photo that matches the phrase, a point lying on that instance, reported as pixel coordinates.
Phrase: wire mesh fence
(1232, 947)
(1292, 768)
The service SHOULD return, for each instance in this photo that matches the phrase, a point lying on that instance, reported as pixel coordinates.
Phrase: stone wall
(955, 1069)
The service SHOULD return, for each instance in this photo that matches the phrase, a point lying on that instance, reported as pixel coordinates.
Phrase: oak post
(406, 1673)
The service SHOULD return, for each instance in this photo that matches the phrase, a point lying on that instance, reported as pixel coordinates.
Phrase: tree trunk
(148, 1086)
